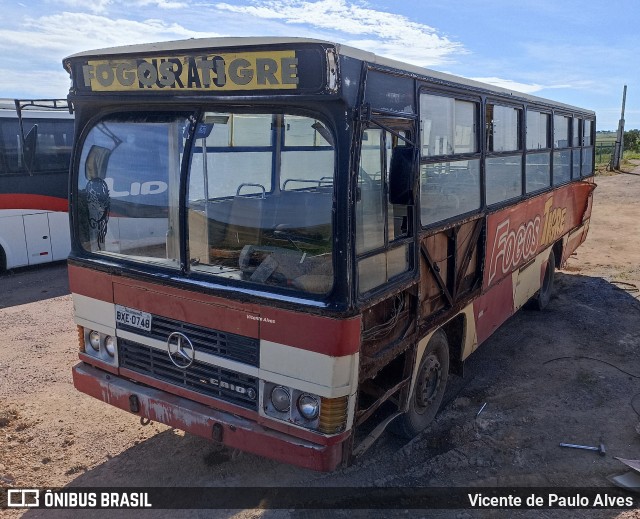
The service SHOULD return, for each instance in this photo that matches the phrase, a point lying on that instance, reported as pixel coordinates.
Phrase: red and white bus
(284, 244)
(34, 222)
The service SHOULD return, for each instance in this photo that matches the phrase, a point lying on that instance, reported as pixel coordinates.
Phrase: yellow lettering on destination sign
(225, 72)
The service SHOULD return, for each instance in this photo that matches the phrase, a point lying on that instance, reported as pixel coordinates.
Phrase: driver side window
(370, 199)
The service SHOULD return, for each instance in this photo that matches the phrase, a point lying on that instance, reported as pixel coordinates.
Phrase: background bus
(335, 232)
(34, 223)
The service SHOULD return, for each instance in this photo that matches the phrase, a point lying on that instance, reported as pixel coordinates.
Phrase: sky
(573, 51)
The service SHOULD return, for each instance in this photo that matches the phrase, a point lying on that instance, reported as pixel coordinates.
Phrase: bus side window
(369, 207)
(450, 164)
(503, 164)
(11, 161)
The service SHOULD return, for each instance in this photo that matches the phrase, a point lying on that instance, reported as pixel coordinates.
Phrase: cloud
(102, 6)
(95, 6)
(35, 84)
(66, 33)
(161, 4)
(527, 88)
(388, 34)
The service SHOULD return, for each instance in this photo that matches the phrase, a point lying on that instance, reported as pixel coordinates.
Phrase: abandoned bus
(286, 245)
(35, 149)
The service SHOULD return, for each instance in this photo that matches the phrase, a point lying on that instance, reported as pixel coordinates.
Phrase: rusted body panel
(185, 414)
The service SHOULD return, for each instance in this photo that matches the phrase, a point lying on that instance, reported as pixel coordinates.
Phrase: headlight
(308, 406)
(94, 340)
(303, 408)
(281, 399)
(110, 345)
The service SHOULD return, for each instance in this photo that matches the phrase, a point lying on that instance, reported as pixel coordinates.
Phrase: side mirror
(402, 175)
(29, 147)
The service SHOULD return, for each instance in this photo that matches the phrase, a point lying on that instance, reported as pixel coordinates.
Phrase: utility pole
(619, 147)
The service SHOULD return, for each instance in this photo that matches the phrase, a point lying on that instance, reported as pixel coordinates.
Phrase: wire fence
(604, 152)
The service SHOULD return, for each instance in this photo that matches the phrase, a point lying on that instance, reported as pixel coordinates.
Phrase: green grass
(606, 138)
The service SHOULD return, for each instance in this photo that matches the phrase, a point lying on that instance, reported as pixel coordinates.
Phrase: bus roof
(42, 108)
(201, 44)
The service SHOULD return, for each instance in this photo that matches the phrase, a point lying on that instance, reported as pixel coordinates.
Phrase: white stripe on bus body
(307, 371)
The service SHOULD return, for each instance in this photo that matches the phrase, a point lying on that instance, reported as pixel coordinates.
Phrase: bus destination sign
(272, 70)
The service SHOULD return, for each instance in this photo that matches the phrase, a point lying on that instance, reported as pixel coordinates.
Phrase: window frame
(389, 127)
(42, 167)
(520, 113)
(520, 152)
(590, 148)
(549, 129)
(479, 113)
(187, 275)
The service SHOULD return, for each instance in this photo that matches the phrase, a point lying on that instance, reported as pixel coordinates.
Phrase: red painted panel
(333, 337)
(493, 308)
(26, 201)
(90, 283)
(218, 317)
(575, 241)
(518, 233)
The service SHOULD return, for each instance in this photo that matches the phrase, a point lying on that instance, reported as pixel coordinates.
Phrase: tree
(632, 140)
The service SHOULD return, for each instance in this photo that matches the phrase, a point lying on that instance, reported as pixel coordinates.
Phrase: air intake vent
(209, 380)
(206, 340)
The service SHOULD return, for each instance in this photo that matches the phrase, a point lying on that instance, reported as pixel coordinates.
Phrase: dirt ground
(537, 394)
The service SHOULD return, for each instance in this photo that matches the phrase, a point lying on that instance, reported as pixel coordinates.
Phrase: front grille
(227, 345)
(209, 380)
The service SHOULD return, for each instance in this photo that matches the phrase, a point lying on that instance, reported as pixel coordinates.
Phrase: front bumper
(233, 431)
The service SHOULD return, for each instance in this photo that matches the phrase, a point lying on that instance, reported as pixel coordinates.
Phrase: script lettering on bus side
(511, 247)
(243, 71)
(554, 222)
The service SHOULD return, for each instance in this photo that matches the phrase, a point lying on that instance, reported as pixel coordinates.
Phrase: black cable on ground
(633, 398)
(592, 358)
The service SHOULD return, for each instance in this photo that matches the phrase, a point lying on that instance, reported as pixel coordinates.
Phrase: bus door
(38, 238)
(385, 252)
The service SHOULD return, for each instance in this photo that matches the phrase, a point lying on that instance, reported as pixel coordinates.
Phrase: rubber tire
(542, 298)
(420, 413)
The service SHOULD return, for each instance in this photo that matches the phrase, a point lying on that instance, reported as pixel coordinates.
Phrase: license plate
(130, 317)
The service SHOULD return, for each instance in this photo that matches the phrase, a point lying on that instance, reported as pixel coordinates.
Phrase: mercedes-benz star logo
(178, 345)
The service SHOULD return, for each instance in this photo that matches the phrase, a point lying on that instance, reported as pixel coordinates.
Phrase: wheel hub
(428, 381)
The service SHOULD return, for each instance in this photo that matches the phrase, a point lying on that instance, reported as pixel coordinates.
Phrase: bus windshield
(259, 195)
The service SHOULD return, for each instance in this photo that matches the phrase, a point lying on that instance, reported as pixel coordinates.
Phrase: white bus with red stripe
(286, 245)
(34, 222)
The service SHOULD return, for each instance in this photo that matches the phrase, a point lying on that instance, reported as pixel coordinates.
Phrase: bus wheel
(542, 298)
(428, 390)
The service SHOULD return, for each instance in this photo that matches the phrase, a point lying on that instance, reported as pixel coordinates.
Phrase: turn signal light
(333, 414)
(81, 342)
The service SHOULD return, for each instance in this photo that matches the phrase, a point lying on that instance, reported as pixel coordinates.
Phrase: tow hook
(134, 403)
(217, 432)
